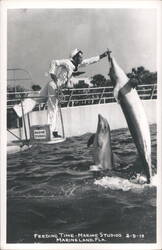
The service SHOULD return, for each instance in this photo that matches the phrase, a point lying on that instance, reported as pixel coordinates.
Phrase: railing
(16, 76)
(81, 96)
(70, 98)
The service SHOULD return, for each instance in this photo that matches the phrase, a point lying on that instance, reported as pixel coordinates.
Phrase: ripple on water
(44, 196)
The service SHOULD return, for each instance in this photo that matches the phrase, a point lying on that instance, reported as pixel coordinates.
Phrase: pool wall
(79, 120)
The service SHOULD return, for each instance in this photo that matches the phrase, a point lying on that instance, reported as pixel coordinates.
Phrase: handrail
(78, 96)
(22, 92)
(20, 69)
(78, 89)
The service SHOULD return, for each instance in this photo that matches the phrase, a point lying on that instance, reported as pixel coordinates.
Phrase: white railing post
(70, 99)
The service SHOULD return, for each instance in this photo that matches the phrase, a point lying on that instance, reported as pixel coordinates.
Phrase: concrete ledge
(83, 119)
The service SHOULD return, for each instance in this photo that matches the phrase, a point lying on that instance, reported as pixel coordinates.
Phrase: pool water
(49, 201)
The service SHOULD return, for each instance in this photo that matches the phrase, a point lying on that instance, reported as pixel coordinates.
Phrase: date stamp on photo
(86, 237)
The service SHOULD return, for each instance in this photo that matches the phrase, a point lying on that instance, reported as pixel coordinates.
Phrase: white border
(3, 137)
(11, 4)
(45, 4)
(159, 127)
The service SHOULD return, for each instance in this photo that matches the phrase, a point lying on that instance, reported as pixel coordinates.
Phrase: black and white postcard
(81, 125)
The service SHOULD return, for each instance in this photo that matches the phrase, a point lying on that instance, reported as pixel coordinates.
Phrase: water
(49, 202)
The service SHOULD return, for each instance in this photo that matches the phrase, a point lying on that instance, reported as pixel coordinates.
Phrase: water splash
(118, 183)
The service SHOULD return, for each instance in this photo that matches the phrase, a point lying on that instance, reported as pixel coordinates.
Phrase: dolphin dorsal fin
(91, 140)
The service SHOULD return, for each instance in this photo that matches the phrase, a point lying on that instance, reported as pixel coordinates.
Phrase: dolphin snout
(100, 117)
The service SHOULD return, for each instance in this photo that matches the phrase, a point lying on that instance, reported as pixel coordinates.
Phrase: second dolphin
(101, 151)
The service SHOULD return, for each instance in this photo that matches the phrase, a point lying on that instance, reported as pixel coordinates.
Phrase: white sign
(40, 134)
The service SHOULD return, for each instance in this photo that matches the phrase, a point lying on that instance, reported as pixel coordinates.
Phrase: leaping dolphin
(134, 113)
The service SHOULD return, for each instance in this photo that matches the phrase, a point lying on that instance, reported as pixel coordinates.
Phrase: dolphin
(134, 113)
(101, 151)
(104, 159)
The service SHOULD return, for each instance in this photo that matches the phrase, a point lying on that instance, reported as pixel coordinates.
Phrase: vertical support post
(62, 124)
(29, 123)
(23, 117)
(70, 98)
(19, 127)
(152, 92)
(101, 95)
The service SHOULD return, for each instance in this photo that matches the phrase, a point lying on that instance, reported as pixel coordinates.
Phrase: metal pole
(101, 95)
(152, 92)
(14, 81)
(63, 131)
(59, 106)
(68, 104)
(23, 117)
(28, 122)
(14, 134)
